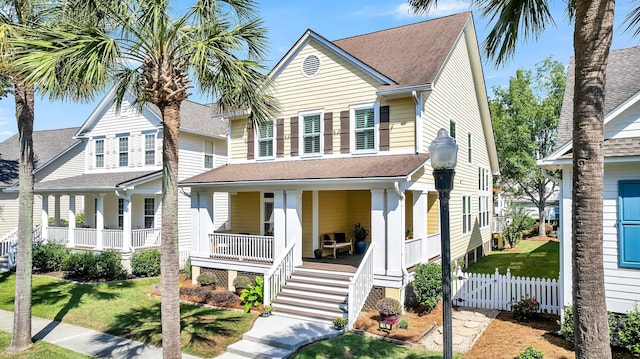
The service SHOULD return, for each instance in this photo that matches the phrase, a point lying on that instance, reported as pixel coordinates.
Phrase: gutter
(405, 273)
(403, 90)
(296, 182)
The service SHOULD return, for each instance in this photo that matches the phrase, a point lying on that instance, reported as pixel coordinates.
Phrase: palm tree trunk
(169, 263)
(592, 40)
(22, 307)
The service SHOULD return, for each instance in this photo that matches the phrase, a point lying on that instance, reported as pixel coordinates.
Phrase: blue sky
(287, 21)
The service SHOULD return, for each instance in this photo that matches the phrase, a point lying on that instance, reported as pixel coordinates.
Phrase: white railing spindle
(360, 285)
(242, 247)
(276, 277)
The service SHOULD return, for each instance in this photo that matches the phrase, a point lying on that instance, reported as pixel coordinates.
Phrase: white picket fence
(499, 291)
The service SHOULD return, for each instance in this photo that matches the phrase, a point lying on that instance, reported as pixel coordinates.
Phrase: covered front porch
(123, 212)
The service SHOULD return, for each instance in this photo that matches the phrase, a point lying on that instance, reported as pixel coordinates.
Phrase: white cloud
(444, 8)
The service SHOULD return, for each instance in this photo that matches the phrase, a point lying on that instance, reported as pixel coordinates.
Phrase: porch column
(44, 216)
(279, 223)
(56, 208)
(395, 232)
(201, 223)
(420, 221)
(72, 220)
(294, 224)
(126, 224)
(99, 218)
(378, 231)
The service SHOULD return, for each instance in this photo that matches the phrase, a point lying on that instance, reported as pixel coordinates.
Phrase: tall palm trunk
(22, 307)
(592, 40)
(169, 263)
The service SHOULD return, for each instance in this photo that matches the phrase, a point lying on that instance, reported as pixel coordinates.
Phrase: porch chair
(338, 241)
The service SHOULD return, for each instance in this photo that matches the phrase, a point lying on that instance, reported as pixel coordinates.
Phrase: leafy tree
(525, 119)
(215, 46)
(591, 43)
(15, 14)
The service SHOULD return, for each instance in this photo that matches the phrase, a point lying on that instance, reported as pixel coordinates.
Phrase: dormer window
(265, 139)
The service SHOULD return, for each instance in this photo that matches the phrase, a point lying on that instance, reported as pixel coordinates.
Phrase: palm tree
(140, 47)
(592, 40)
(14, 14)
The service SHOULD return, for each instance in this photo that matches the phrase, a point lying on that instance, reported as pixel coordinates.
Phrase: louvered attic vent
(310, 65)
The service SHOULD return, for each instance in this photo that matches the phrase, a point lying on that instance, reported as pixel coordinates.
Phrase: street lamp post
(443, 152)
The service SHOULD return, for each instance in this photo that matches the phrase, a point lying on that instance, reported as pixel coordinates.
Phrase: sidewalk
(85, 341)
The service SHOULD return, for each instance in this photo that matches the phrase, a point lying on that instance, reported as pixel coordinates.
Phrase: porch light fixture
(443, 152)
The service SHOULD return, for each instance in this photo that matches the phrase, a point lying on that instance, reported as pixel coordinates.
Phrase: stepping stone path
(468, 325)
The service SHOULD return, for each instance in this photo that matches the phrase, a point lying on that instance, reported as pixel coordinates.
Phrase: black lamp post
(444, 153)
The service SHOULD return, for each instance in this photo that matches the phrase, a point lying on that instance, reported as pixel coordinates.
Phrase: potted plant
(360, 234)
(317, 253)
(408, 234)
(265, 310)
(339, 323)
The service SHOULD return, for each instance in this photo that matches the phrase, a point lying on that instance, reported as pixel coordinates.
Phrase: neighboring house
(350, 146)
(621, 182)
(115, 171)
(54, 151)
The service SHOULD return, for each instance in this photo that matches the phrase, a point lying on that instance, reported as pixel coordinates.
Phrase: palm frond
(632, 20)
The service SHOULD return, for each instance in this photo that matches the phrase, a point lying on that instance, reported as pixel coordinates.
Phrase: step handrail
(360, 285)
(276, 277)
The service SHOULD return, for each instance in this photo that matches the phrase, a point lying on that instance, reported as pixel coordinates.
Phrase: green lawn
(39, 350)
(361, 347)
(127, 309)
(538, 259)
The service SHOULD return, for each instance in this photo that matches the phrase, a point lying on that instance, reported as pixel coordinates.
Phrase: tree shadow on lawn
(72, 295)
(201, 328)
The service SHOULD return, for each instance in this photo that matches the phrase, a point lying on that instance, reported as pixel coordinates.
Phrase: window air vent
(310, 65)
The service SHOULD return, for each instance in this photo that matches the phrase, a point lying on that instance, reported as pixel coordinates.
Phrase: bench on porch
(336, 241)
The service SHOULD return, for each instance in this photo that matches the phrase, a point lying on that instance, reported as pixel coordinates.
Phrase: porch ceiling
(345, 168)
(97, 181)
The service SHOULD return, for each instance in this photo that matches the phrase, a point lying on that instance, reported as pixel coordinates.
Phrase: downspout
(405, 273)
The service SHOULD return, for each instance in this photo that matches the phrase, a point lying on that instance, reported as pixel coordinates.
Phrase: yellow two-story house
(350, 146)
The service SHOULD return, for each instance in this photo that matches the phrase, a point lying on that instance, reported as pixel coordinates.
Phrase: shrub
(403, 323)
(630, 333)
(252, 296)
(87, 266)
(224, 298)
(566, 327)
(146, 263)
(525, 309)
(187, 269)
(530, 353)
(206, 279)
(536, 228)
(49, 257)
(428, 284)
(109, 266)
(241, 282)
(388, 306)
(203, 293)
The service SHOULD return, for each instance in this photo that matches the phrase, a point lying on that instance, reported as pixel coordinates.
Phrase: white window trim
(256, 143)
(95, 152)
(144, 212)
(144, 148)
(456, 128)
(376, 126)
(301, 116)
(470, 222)
(205, 154)
(263, 201)
(118, 152)
(484, 190)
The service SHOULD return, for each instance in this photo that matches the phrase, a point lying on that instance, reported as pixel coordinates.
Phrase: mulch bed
(419, 322)
(195, 293)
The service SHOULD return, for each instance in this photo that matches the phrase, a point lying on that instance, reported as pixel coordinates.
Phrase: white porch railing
(7, 241)
(360, 285)
(276, 277)
(112, 238)
(58, 235)
(242, 247)
(412, 252)
(145, 238)
(85, 237)
(433, 245)
(497, 291)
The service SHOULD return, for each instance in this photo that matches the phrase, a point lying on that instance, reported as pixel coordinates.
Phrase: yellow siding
(245, 213)
(402, 119)
(307, 224)
(359, 210)
(333, 208)
(408, 211)
(433, 213)
(238, 140)
(453, 98)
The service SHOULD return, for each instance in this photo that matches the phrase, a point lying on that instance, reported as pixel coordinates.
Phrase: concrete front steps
(314, 295)
(278, 337)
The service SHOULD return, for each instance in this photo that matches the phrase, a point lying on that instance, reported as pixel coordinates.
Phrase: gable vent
(311, 65)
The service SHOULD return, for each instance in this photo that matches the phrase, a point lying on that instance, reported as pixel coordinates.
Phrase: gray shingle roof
(47, 144)
(410, 55)
(96, 181)
(622, 82)
(618, 147)
(198, 118)
(327, 168)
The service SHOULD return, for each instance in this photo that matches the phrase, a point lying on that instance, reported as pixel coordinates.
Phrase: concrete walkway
(85, 341)
(468, 325)
(278, 337)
